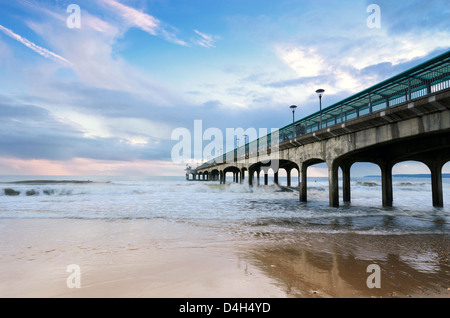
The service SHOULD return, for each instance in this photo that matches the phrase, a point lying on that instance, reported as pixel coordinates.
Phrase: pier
(406, 117)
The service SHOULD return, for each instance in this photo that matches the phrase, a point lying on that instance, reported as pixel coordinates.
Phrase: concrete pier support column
(303, 182)
(436, 187)
(333, 179)
(242, 175)
(257, 177)
(275, 177)
(346, 182)
(222, 177)
(435, 167)
(251, 175)
(386, 184)
(266, 178)
(288, 177)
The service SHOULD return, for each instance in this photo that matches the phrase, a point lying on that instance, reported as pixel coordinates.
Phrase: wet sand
(336, 265)
(123, 258)
(159, 258)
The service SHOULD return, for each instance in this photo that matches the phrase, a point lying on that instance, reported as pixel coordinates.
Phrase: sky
(103, 97)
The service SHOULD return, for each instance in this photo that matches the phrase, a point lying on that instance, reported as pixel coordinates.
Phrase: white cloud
(384, 47)
(342, 72)
(204, 40)
(132, 130)
(306, 62)
(95, 63)
(134, 17)
(153, 26)
(97, 70)
(143, 21)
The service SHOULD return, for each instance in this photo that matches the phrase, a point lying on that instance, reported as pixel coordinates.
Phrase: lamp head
(320, 92)
(293, 107)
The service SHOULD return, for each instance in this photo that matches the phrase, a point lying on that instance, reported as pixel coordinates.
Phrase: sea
(229, 208)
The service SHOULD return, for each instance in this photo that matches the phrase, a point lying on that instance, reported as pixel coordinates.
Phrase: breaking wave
(231, 205)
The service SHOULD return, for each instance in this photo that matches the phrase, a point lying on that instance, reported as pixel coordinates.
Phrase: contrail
(40, 50)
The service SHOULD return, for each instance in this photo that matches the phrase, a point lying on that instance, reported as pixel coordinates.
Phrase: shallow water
(231, 207)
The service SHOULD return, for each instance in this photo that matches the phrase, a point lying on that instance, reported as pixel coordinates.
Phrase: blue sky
(105, 97)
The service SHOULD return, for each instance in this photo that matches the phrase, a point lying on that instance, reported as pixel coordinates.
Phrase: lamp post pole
(293, 107)
(245, 145)
(320, 92)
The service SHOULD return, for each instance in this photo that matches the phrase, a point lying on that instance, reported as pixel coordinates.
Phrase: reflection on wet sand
(335, 265)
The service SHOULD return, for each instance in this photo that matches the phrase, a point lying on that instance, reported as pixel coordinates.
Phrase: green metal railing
(425, 79)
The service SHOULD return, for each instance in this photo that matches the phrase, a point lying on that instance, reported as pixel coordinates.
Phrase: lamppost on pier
(320, 92)
(293, 107)
(245, 144)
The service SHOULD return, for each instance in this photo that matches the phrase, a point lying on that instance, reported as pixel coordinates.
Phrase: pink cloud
(89, 167)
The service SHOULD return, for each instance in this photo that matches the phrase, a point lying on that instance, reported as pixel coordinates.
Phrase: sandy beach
(123, 258)
(160, 258)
